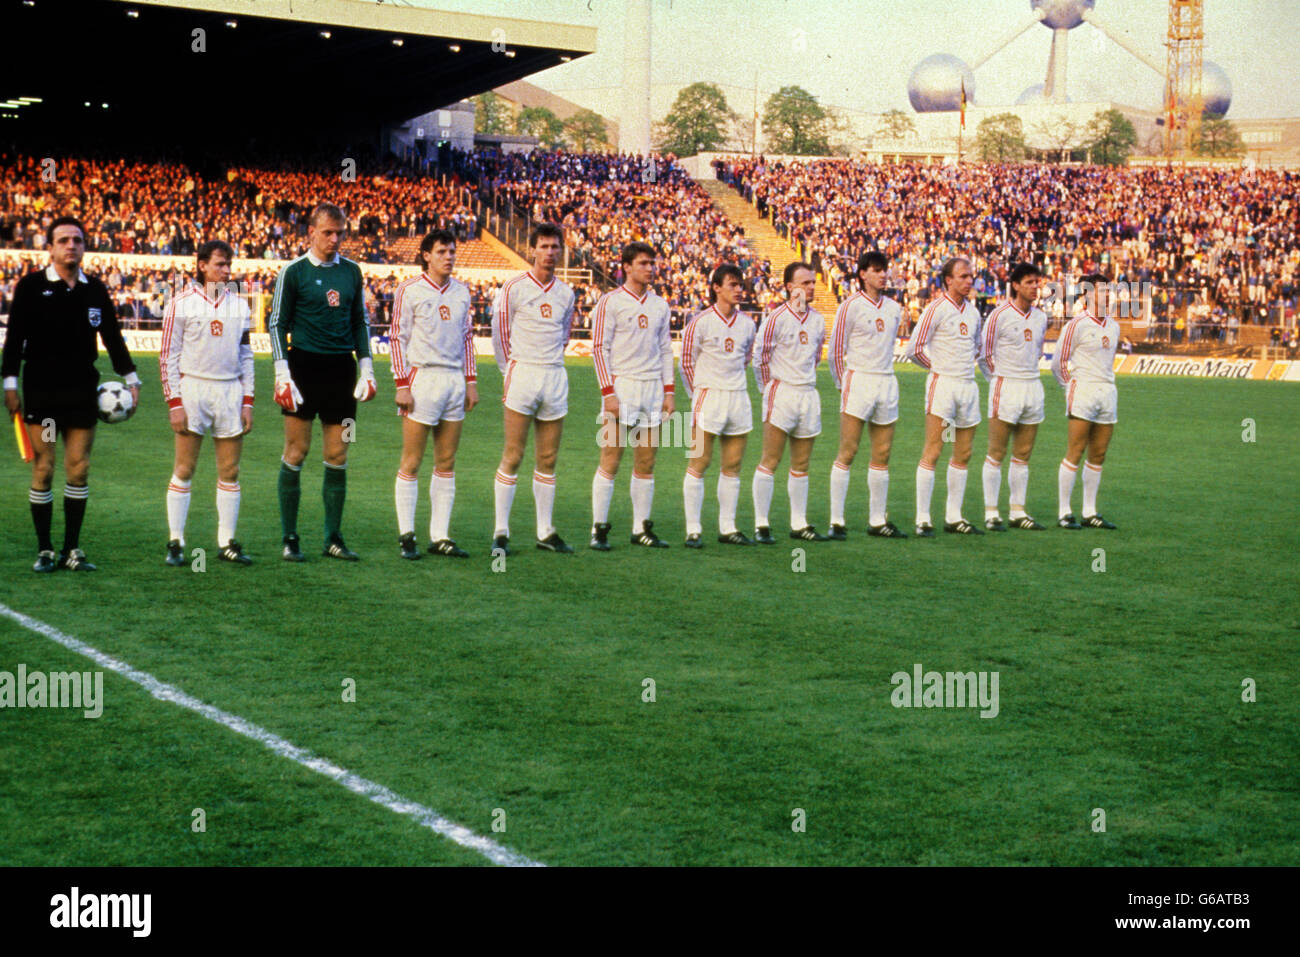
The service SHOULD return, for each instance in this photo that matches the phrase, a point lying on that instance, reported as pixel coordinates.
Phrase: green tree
(540, 122)
(895, 125)
(1110, 137)
(489, 113)
(585, 130)
(794, 122)
(697, 121)
(1219, 137)
(1000, 139)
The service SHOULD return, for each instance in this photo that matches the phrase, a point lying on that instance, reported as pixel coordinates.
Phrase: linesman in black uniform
(55, 317)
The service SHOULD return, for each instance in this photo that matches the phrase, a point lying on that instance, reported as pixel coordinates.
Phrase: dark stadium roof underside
(265, 76)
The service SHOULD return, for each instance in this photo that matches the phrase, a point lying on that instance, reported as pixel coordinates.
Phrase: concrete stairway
(765, 240)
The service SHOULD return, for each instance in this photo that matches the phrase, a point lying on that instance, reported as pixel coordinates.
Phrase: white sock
(728, 498)
(406, 493)
(643, 498)
(924, 490)
(1091, 481)
(693, 499)
(878, 484)
(602, 492)
(956, 492)
(1018, 479)
(1065, 477)
(503, 487)
(992, 486)
(227, 511)
(796, 486)
(178, 507)
(839, 492)
(544, 501)
(442, 495)
(763, 487)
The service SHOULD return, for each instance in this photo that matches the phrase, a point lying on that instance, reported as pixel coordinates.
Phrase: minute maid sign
(1207, 368)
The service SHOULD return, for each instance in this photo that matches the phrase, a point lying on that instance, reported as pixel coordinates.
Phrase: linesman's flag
(24, 440)
(963, 103)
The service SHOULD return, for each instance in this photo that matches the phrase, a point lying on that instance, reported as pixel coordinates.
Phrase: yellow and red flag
(963, 103)
(24, 440)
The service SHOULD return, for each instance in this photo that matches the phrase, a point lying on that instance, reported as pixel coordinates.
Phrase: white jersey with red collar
(1012, 342)
(716, 350)
(432, 329)
(946, 340)
(531, 321)
(205, 338)
(863, 337)
(631, 338)
(788, 346)
(1086, 350)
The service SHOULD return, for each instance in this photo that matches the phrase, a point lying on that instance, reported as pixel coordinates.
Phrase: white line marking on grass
(426, 817)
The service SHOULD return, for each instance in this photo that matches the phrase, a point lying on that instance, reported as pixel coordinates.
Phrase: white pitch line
(425, 816)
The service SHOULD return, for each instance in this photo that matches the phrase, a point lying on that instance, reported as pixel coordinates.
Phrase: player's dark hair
(63, 221)
(632, 250)
(720, 276)
(1022, 271)
(788, 276)
(1094, 279)
(549, 230)
(872, 260)
(950, 267)
(431, 239)
(214, 246)
(326, 211)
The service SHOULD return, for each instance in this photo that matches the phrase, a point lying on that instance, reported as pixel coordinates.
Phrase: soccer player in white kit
(436, 372)
(787, 350)
(205, 361)
(531, 322)
(633, 349)
(1084, 364)
(715, 351)
(946, 342)
(1012, 347)
(862, 367)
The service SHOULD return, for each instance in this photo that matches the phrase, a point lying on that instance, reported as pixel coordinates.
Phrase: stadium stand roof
(323, 68)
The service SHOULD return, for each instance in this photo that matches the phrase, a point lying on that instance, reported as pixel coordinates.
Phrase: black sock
(74, 510)
(42, 502)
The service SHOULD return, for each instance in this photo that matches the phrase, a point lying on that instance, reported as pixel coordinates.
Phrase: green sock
(334, 490)
(290, 491)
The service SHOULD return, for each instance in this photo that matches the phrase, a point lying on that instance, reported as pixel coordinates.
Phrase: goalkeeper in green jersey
(318, 320)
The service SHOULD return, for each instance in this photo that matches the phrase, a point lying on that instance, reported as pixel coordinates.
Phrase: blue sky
(857, 54)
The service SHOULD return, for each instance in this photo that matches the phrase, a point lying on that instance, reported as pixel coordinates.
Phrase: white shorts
(870, 396)
(953, 400)
(722, 411)
(439, 396)
(640, 401)
(1094, 401)
(213, 406)
(794, 409)
(539, 391)
(1016, 401)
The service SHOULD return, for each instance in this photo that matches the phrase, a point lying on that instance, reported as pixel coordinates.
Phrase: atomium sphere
(1062, 14)
(936, 82)
(1216, 89)
(1034, 94)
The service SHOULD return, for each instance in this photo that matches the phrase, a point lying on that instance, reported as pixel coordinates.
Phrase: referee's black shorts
(71, 403)
(327, 383)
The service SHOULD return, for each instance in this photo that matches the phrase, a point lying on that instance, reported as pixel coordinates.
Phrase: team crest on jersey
(93, 315)
(728, 345)
(332, 297)
(1029, 335)
(215, 327)
(1105, 342)
(880, 325)
(546, 310)
(962, 328)
(803, 337)
(444, 313)
(642, 321)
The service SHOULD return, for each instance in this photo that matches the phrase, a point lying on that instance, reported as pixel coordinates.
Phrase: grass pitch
(521, 691)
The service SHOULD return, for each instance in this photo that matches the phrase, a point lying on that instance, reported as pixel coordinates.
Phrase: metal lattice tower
(1184, 96)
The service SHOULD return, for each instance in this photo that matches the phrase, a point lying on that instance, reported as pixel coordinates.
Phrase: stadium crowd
(1209, 241)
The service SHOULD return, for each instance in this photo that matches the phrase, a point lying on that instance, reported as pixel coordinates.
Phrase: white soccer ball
(115, 402)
